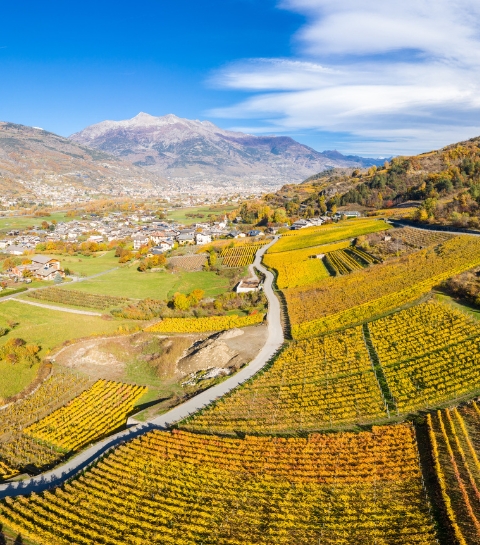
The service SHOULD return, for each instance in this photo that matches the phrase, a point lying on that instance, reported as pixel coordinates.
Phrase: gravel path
(79, 462)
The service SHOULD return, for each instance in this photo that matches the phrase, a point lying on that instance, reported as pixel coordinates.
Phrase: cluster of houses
(302, 223)
(143, 230)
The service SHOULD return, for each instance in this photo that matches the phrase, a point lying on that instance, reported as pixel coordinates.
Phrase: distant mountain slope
(182, 148)
(34, 156)
(444, 184)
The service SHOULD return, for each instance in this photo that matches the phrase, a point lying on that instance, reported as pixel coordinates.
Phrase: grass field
(22, 222)
(48, 329)
(180, 214)
(89, 265)
(128, 282)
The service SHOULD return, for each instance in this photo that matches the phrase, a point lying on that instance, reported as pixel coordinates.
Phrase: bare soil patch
(228, 350)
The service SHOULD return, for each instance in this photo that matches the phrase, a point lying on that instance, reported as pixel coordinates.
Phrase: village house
(16, 250)
(160, 249)
(187, 238)
(203, 238)
(41, 267)
(299, 224)
(139, 241)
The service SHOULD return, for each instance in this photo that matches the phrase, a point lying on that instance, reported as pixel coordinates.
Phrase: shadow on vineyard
(8, 539)
(431, 483)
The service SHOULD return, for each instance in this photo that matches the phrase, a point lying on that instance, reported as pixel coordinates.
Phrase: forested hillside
(443, 184)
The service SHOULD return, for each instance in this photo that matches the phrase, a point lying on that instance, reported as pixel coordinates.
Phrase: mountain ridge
(33, 161)
(179, 148)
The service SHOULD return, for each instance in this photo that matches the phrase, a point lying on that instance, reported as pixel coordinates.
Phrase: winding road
(74, 465)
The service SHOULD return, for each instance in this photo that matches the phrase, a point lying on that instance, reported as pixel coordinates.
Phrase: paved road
(76, 464)
(399, 223)
(62, 309)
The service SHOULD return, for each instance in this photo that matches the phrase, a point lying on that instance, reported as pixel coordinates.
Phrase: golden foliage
(181, 489)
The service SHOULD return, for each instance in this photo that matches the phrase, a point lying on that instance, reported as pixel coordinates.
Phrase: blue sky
(373, 77)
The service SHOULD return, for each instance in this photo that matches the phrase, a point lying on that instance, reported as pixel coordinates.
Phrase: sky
(368, 77)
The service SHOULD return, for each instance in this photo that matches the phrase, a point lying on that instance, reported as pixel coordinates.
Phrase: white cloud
(396, 77)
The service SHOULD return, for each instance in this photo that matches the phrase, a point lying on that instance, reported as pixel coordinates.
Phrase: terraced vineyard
(78, 298)
(18, 450)
(203, 325)
(96, 412)
(301, 267)
(253, 467)
(189, 262)
(430, 354)
(239, 256)
(334, 303)
(423, 356)
(187, 489)
(456, 452)
(347, 260)
(420, 238)
(325, 234)
(314, 384)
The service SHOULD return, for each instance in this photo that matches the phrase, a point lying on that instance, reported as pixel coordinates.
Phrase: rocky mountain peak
(191, 149)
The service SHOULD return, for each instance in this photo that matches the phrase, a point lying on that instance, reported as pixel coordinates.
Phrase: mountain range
(31, 157)
(185, 149)
(153, 155)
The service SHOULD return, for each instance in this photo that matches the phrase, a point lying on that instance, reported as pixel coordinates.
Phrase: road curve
(275, 339)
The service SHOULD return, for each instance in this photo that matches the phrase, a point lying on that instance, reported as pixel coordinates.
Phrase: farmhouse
(41, 267)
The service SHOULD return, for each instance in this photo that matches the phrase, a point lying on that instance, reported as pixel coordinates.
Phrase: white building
(203, 238)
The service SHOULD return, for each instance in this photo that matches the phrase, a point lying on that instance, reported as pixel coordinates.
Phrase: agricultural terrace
(347, 260)
(46, 329)
(430, 354)
(239, 256)
(188, 262)
(325, 234)
(186, 489)
(17, 449)
(78, 298)
(299, 267)
(314, 384)
(455, 452)
(95, 413)
(415, 359)
(406, 212)
(334, 303)
(204, 325)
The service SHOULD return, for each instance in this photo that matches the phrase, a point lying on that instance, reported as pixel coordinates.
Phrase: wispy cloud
(395, 78)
